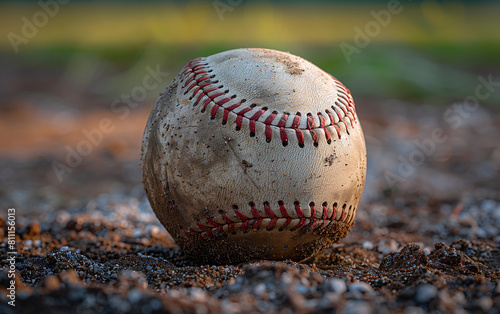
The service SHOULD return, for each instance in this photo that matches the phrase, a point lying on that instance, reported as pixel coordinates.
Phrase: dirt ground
(426, 238)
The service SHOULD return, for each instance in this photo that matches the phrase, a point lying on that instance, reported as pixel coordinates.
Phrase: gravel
(429, 244)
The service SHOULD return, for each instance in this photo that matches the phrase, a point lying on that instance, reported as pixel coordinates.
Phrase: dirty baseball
(254, 154)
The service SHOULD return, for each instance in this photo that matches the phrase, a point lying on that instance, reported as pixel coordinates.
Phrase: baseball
(254, 154)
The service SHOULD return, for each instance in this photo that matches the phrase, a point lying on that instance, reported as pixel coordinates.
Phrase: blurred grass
(437, 74)
(430, 52)
(198, 23)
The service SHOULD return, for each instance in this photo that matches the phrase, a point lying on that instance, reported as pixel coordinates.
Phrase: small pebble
(51, 283)
(259, 289)
(367, 245)
(29, 243)
(137, 233)
(414, 310)
(134, 295)
(64, 249)
(425, 293)
(485, 303)
(301, 289)
(77, 295)
(155, 304)
(459, 298)
(355, 307)
(387, 246)
(130, 278)
(481, 233)
(198, 295)
(489, 205)
(360, 286)
(155, 231)
(337, 285)
(89, 302)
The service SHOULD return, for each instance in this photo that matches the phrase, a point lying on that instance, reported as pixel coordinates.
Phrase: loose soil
(426, 238)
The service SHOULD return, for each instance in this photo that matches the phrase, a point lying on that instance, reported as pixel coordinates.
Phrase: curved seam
(241, 222)
(198, 67)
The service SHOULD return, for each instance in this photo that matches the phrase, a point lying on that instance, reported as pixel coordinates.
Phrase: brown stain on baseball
(243, 164)
(291, 66)
(330, 159)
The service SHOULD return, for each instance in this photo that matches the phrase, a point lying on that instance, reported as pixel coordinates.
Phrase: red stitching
(283, 120)
(255, 213)
(225, 117)
(344, 108)
(283, 135)
(272, 224)
(210, 234)
(188, 81)
(212, 222)
(240, 215)
(300, 224)
(299, 211)
(214, 110)
(223, 101)
(337, 129)
(239, 121)
(200, 238)
(252, 128)
(312, 224)
(296, 122)
(244, 225)
(256, 224)
(202, 79)
(322, 122)
(257, 114)
(232, 107)
(300, 137)
(213, 228)
(226, 219)
(315, 137)
(350, 103)
(202, 227)
(310, 121)
(347, 116)
(324, 217)
(268, 210)
(283, 211)
(343, 215)
(287, 222)
(268, 133)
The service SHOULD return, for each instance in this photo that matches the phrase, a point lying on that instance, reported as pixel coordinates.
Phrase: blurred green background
(64, 65)
(428, 51)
